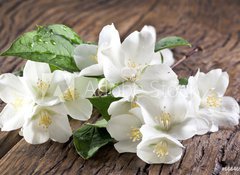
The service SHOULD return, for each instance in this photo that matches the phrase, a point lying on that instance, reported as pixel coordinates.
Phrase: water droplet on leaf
(37, 38)
(53, 42)
(31, 45)
(64, 28)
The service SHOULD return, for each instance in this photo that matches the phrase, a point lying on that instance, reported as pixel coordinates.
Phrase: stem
(187, 55)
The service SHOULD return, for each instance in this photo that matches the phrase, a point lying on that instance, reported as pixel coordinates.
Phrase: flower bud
(104, 85)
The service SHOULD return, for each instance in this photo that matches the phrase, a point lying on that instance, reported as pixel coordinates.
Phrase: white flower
(47, 123)
(88, 57)
(169, 115)
(19, 102)
(41, 83)
(74, 91)
(134, 65)
(125, 128)
(160, 149)
(132, 57)
(207, 91)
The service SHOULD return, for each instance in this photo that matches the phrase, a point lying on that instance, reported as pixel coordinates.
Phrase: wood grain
(212, 25)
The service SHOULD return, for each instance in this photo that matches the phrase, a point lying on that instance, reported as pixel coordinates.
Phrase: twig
(195, 50)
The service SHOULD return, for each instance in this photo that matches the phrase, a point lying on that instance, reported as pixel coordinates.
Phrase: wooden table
(212, 25)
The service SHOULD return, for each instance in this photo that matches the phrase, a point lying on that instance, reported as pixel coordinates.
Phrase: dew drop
(37, 38)
(31, 45)
(53, 42)
(64, 28)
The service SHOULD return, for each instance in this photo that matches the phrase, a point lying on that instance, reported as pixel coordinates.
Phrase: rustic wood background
(213, 25)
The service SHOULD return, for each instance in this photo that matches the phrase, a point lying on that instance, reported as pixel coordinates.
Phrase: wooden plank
(197, 21)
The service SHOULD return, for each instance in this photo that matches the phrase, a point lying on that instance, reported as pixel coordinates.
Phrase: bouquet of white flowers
(145, 107)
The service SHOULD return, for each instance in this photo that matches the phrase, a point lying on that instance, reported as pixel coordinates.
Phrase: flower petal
(168, 58)
(60, 129)
(10, 118)
(93, 70)
(220, 118)
(86, 86)
(167, 55)
(127, 90)
(189, 128)
(150, 108)
(149, 131)
(112, 71)
(126, 146)
(139, 46)
(80, 109)
(222, 84)
(109, 36)
(85, 55)
(177, 107)
(121, 106)
(230, 104)
(11, 88)
(33, 133)
(158, 77)
(33, 71)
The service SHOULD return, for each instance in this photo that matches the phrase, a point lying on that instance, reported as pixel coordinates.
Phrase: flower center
(132, 71)
(213, 100)
(45, 120)
(165, 120)
(131, 64)
(70, 94)
(161, 149)
(135, 134)
(42, 86)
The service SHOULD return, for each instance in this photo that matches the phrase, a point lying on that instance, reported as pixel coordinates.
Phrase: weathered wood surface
(213, 25)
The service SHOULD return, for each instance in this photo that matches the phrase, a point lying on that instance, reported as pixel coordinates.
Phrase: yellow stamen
(134, 105)
(165, 119)
(135, 134)
(70, 94)
(42, 86)
(131, 64)
(45, 119)
(161, 149)
(213, 100)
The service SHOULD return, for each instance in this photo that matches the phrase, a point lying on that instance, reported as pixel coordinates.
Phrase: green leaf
(183, 81)
(89, 139)
(102, 104)
(49, 44)
(65, 32)
(171, 42)
(53, 68)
